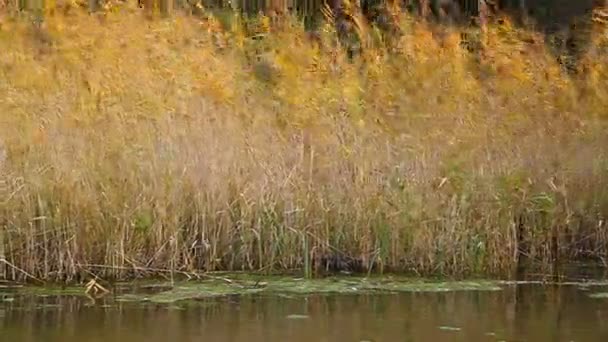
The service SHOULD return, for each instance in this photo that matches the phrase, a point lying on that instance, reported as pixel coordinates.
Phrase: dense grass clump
(130, 144)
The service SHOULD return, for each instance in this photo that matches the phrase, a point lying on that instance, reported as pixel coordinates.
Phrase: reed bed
(131, 145)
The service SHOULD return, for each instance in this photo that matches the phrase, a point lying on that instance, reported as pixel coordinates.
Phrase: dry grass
(176, 144)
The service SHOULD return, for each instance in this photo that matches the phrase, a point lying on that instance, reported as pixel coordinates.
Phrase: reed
(185, 145)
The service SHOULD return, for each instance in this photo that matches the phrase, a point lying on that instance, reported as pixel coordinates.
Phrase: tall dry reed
(132, 145)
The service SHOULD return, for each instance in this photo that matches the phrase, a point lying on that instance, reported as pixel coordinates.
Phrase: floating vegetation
(191, 291)
(599, 295)
(286, 286)
(164, 292)
(296, 316)
(449, 328)
(48, 291)
(585, 285)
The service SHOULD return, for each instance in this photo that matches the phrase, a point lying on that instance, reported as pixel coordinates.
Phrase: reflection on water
(522, 313)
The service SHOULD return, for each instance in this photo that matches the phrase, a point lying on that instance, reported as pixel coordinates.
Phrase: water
(517, 313)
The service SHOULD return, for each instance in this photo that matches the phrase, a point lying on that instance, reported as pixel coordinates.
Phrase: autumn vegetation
(132, 146)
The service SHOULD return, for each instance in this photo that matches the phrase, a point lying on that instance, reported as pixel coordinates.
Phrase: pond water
(530, 312)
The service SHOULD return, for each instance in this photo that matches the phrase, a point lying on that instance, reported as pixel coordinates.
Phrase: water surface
(515, 313)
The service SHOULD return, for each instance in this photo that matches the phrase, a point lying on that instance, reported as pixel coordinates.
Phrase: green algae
(602, 295)
(213, 286)
(46, 291)
(288, 286)
(186, 291)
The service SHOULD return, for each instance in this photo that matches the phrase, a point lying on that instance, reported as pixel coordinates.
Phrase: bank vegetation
(131, 146)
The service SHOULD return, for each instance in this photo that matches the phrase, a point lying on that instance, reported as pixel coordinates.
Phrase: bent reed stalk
(178, 144)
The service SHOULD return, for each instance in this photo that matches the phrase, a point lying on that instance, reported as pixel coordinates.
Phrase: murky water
(517, 313)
